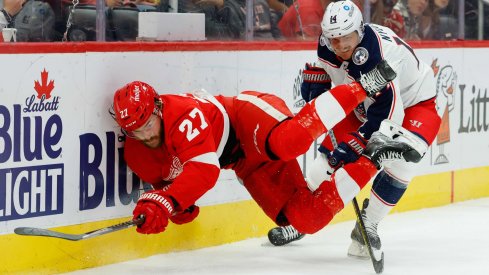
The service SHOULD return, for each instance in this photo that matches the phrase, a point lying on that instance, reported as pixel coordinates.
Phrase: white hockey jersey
(414, 83)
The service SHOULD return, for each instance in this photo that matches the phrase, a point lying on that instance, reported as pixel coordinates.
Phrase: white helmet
(342, 18)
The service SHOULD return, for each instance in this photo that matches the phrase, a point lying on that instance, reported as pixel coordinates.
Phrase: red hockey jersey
(195, 131)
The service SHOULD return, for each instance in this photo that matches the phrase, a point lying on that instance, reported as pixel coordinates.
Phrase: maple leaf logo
(44, 88)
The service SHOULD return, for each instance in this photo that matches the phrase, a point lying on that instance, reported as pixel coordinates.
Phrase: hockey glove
(186, 216)
(157, 207)
(347, 151)
(315, 81)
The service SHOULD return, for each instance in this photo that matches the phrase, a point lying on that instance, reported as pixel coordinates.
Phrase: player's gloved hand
(347, 151)
(315, 81)
(186, 216)
(157, 207)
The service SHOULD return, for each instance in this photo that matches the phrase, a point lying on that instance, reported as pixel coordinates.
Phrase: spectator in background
(220, 22)
(302, 21)
(121, 18)
(412, 12)
(139, 4)
(279, 7)
(264, 23)
(226, 19)
(449, 21)
(430, 23)
(383, 13)
(33, 19)
(108, 3)
(472, 18)
(10, 9)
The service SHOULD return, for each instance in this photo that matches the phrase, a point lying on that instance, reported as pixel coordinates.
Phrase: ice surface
(453, 239)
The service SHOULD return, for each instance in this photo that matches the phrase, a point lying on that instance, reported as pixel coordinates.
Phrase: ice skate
(357, 247)
(392, 142)
(282, 235)
(376, 79)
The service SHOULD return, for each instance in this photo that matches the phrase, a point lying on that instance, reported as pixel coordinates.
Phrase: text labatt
(27, 190)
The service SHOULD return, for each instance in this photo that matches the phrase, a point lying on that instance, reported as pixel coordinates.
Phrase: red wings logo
(44, 88)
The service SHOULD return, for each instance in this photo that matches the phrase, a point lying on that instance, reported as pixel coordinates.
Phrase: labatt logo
(43, 89)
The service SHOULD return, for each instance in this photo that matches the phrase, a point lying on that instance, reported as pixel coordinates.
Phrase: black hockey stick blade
(32, 231)
(377, 263)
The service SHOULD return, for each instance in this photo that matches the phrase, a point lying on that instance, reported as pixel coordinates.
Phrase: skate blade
(358, 251)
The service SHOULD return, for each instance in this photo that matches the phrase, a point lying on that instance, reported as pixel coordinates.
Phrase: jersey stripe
(346, 186)
(329, 110)
(381, 200)
(394, 99)
(209, 158)
(263, 105)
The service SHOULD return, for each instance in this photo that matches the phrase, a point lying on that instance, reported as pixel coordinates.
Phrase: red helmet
(133, 105)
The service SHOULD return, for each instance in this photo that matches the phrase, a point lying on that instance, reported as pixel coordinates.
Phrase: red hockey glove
(157, 207)
(347, 151)
(315, 81)
(186, 216)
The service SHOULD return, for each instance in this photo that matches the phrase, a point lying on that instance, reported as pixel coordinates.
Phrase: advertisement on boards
(61, 153)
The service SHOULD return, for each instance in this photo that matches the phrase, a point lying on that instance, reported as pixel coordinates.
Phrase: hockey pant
(280, 190)
(272, 139)
(267, 130)
(422, 120)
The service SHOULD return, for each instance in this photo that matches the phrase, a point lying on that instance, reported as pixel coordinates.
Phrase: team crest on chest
(360, 56)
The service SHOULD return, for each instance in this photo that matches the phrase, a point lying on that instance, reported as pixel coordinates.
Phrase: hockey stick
(32, 231)
(378, 264)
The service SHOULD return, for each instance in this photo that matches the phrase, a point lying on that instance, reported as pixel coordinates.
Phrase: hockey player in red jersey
(347, 49)
(178, 143)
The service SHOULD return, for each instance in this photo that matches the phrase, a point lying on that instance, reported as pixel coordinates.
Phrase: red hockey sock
(349, 95)
(289, 140)
(310, 212)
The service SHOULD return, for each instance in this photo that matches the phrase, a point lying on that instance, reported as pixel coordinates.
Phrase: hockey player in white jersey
(347, 49)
